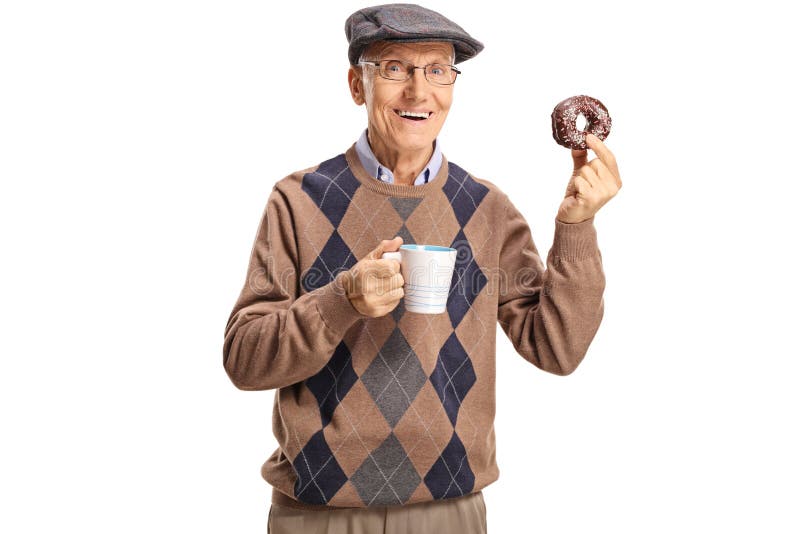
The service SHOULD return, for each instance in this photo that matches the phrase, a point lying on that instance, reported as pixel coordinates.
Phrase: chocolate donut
(598, 121)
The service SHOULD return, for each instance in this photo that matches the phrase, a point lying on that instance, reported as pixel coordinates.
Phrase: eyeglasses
(400, 71)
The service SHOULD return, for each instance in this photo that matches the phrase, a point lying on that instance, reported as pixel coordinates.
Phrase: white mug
(428, 274)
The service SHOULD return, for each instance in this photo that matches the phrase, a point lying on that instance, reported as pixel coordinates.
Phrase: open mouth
(415, 116)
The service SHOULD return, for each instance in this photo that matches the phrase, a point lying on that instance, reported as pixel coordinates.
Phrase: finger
(387, 245)
(388, 293)
(582, 186)
(396, 281)
(603, 153)
(397, 293)
(393, 295)
(578, 158)
(607, 181)
(383, 269)
(380, 299)
(587, 173)
(602, 171)
(393, 267)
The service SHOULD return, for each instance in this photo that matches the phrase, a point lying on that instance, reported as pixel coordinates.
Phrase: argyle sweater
(398, 409)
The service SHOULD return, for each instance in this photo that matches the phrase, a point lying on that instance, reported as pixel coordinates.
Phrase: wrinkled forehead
(432, 51)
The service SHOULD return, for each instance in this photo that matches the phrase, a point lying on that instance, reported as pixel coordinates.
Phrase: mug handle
(392, 256)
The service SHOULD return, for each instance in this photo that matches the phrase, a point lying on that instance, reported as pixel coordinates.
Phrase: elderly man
(384, 417)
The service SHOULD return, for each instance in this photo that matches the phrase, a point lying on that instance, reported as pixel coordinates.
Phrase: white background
(139, 142)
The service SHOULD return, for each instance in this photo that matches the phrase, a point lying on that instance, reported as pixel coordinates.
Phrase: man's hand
(375, 286)
(591, 185)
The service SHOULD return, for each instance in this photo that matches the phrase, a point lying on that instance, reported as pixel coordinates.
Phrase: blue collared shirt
(374, 168)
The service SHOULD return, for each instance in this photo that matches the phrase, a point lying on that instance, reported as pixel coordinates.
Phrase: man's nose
(417, 85)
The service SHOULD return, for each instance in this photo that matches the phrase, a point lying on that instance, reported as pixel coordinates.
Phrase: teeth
(412, 114)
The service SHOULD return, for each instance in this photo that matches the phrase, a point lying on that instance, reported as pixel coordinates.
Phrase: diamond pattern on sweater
(464, 193)
(433, 226)
(319, 476)
(331, 384)
(369, 219)
(405, 206)
(331, 187)
(426, 334)
(425, 429)
(453, 376)
(356, 429)
(468, 280)
(394, 378)
(406, 235)
(334, 258)
(387, 477)
(451, 475)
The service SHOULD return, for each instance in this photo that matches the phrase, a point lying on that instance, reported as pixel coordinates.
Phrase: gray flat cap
(406, 23)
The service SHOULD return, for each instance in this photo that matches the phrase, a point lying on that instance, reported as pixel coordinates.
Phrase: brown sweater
(398, 409)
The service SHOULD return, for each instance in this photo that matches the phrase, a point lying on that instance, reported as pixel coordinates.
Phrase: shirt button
(384, 178)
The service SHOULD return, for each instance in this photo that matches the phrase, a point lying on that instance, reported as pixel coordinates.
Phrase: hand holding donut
(592, 184)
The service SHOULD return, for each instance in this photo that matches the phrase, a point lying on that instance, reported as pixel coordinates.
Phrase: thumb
(579, 158)
(387, 245)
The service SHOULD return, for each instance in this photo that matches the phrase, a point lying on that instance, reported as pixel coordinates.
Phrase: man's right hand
(375, 286)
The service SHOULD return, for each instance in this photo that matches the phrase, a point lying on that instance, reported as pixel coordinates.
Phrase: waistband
(284, 500)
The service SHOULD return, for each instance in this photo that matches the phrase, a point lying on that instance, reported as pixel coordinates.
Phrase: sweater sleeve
(551, 315)
(274, 338)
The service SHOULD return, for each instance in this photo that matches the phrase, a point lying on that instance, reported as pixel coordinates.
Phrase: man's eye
(394, 66)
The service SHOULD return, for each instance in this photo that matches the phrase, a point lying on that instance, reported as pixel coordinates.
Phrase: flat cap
(406, 23)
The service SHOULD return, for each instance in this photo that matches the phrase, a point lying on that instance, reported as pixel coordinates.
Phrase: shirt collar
(374, 168)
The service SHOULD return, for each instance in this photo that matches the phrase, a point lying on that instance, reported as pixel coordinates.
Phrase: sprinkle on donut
(565, 114)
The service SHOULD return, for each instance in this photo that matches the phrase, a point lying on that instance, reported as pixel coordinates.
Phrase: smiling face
(389, 132)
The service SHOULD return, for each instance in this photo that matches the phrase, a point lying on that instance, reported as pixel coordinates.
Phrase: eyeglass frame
(410, 71)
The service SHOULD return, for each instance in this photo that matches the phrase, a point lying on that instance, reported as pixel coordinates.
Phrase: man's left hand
(592, 184)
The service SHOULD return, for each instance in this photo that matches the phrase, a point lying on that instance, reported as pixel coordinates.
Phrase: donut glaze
(566, 133)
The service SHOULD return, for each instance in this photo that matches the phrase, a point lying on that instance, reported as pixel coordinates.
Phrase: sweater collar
(382, 173)
(436, 183)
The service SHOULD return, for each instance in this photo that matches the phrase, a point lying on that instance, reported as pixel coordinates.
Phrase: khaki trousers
(462, 515)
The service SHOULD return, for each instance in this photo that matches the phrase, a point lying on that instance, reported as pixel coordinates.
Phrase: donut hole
(580, 122)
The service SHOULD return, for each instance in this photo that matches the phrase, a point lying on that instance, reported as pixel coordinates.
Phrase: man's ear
(356, 85)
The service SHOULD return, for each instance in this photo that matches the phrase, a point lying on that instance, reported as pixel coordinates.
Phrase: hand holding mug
(375, 285)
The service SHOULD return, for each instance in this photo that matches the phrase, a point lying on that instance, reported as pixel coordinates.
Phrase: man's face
(384, 98)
